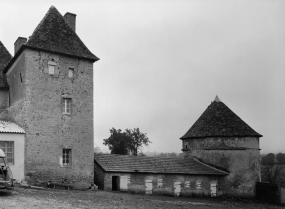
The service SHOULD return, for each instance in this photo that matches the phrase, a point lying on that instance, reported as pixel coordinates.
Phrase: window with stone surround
(66, 157)
(66, 106)
(70, 73)
(51, 68)
(8, 148)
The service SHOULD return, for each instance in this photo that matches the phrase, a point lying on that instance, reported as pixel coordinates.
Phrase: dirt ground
(53, 198)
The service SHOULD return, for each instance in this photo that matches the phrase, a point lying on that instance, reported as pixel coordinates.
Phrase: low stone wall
(267, 192)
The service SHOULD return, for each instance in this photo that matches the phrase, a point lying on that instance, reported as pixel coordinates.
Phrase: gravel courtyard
(53, 198)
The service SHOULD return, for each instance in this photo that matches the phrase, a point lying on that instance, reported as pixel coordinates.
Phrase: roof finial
(217, 99)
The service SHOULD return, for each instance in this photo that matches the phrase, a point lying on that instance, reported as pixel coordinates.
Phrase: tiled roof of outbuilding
(142, 164)
(219, 121)
(5, 58)
(9, 127)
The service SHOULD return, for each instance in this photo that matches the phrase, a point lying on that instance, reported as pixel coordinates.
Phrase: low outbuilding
(12, 142)
(154, 175)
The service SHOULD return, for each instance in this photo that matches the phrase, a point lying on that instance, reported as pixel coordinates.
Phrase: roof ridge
(209, 166)
(218, 120)
(41, 22)
(53, 33)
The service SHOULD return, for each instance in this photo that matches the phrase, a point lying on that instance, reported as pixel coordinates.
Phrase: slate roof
(9, 127)
(53, 34)
(142, 164)
(5, 58)
(219, 121)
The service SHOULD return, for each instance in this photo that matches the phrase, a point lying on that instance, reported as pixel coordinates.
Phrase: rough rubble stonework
(37, 108)
(219, 137)
(36, 99)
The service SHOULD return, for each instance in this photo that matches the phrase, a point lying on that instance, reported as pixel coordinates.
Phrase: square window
(66, 157)
(66, 106)
(187, 184)
(51, 69)
(70, 72)
(198, 184)
(8, 149)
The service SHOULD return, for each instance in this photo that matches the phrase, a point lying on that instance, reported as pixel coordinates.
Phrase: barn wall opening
(115, 183)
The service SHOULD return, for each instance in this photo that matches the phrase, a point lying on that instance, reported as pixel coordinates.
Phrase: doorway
(115, 183)
(213, 189)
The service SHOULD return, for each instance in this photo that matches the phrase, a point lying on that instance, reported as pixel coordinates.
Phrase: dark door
(115, 183)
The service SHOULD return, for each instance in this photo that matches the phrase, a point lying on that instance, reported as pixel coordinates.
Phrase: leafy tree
(280, 157)
(117, 142)
(128, 142)
(137, 140)
(268, 159)
(273, 174)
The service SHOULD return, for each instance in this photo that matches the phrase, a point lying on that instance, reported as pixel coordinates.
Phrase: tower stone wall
(37, 107)
(238, 155)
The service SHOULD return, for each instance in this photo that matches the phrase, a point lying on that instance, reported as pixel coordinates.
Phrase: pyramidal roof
(5, 58)
(219, 121)
(53, 34)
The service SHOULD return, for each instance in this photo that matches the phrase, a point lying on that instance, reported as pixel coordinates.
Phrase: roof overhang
(45, 50)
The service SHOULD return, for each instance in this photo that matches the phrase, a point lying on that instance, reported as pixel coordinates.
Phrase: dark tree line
(273, 168)
(128, 142)
(273, 159)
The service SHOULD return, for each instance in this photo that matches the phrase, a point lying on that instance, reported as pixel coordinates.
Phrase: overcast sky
(163, 62)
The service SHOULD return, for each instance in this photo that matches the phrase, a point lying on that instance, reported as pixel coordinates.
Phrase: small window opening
(66, 157)
(70, 72)
(8, 149)
(159, 182)
(51, 69)
(198, 184)
(21, 78)
(186, 145)
(66, 106)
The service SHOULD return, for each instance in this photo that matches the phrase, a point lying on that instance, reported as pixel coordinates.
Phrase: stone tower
(50, 82)
(221, 138)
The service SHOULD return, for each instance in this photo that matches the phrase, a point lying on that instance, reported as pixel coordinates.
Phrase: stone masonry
(36, 106)
(241, 158)
(219, 137)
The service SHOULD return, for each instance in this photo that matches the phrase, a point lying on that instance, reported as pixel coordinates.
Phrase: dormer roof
(53, 34)
(219, 121)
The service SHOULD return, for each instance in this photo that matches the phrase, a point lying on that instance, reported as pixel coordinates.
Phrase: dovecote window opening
(186, 145)
(66, 106)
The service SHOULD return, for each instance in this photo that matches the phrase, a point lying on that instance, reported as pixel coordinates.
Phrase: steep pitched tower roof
(5, 58)
(53, 34)
(219, 121)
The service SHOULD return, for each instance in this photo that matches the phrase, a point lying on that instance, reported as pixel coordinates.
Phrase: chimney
(70, 19)
(19, 42)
